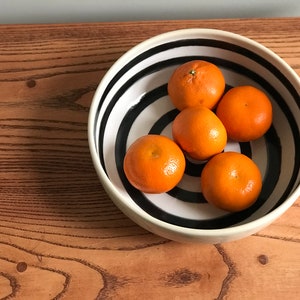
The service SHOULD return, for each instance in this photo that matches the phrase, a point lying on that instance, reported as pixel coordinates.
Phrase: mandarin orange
(246, 113)
(231, 181)
(199, 132)
(154, 164)
(196, 82)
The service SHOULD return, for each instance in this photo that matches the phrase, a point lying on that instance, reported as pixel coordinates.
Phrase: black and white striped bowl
(132, 100)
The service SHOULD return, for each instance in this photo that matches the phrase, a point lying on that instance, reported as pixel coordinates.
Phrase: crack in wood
(111, 284)
(13, 283)
(231, 275)
(286, 239)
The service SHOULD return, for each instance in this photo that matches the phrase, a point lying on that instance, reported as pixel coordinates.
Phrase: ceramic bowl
(132, 100)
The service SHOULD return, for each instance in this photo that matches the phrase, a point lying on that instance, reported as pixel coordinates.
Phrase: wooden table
(60, 235)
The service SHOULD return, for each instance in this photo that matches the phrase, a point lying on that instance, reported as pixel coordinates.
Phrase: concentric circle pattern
(134, 101)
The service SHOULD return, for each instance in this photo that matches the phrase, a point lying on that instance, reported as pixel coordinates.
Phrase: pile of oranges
(208, 116)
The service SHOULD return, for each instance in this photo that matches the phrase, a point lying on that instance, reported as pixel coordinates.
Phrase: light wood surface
(60, 235)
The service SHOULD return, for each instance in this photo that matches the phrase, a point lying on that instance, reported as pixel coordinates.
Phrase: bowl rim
(130, 208)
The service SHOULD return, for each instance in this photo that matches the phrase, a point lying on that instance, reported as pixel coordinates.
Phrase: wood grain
(60, 235)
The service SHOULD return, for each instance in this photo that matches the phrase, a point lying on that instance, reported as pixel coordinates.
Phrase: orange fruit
(154, 164)
(246, 113)
(231, 181)
(199, 132)
(196, 82)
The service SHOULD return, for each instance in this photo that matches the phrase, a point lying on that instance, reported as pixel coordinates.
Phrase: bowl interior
(132, 100)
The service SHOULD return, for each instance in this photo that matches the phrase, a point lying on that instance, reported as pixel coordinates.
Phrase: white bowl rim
(131, 208)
